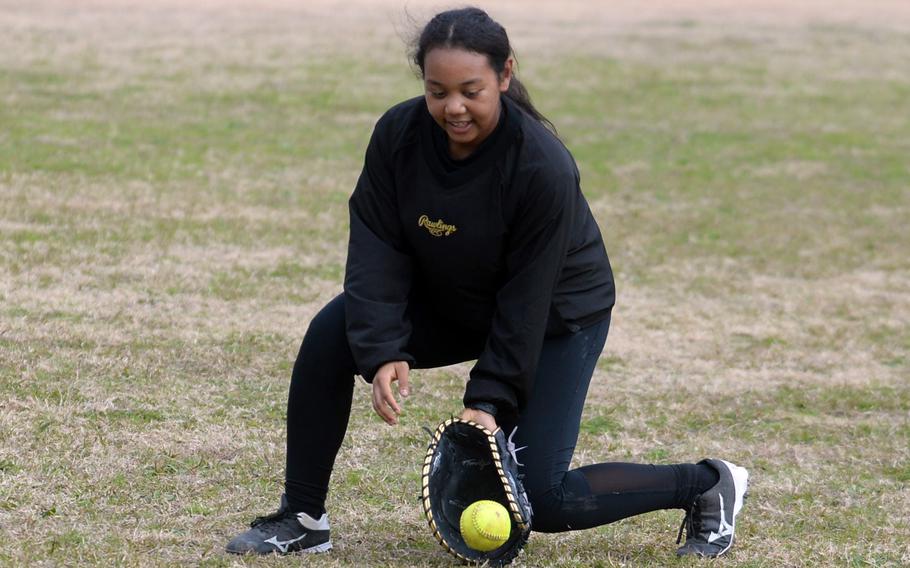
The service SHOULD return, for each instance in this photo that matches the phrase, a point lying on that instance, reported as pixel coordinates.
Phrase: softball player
(471, 240)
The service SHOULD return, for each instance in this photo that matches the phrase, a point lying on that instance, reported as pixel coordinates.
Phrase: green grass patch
(173, 212)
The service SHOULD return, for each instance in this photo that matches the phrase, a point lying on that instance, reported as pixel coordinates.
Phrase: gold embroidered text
(436, 228)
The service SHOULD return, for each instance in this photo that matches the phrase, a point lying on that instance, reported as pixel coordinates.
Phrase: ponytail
(520, 96)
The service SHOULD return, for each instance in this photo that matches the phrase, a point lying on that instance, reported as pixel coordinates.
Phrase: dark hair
(473, 30)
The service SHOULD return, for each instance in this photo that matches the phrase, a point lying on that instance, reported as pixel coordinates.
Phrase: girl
(470, 239)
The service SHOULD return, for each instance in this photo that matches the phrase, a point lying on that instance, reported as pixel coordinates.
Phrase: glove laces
(513, 451)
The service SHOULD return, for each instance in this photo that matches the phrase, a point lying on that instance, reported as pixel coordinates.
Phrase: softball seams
(489, 535)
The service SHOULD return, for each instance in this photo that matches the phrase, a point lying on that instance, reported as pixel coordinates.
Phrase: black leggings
(321, 392)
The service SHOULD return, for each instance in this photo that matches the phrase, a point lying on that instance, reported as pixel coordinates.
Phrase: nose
(455, 106)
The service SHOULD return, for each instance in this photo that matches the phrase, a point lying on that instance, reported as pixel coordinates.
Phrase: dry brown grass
(153, 294)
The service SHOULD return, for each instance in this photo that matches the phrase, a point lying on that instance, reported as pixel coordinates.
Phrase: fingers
(404, 384)
(384, 402)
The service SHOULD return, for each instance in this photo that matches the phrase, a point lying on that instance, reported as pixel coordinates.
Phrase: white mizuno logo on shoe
(282, 545)
(725, 528)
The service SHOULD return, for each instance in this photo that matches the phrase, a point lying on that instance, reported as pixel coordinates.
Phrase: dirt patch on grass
(147, 328)
(162, 30)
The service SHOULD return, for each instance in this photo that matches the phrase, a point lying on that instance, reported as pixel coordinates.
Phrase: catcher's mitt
(466, 463)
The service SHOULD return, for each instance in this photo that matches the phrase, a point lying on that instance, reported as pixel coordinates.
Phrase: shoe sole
(319, 548)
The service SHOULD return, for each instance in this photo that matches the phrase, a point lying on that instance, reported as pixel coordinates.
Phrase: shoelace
(276, 516)
(690, 522)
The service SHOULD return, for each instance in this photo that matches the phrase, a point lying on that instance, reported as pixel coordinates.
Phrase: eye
(472, 94)
(437, 94)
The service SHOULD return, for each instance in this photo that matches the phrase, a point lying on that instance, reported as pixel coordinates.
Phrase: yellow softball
(485, 525)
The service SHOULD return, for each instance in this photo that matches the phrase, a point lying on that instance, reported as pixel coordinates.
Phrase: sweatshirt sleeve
(378, 274)
(536, 250)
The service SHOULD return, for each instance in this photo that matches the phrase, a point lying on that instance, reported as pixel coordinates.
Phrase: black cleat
(711, 520)
(283, 532)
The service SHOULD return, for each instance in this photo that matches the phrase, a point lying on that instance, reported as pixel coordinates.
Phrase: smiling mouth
(459, 125)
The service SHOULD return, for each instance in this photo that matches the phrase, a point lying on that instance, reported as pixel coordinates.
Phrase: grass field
(173, 188)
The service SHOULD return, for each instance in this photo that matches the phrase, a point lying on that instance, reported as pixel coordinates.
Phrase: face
(462, 93)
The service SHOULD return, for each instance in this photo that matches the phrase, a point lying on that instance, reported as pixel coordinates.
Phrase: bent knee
(325, 341)
(548, 513)
(562, 507)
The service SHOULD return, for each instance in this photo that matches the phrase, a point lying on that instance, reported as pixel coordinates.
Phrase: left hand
(479, 416)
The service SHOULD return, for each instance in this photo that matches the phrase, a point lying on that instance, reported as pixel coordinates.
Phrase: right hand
(384, 402)
(485, 419)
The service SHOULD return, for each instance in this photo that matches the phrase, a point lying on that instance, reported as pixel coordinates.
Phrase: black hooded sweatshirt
(502, 244)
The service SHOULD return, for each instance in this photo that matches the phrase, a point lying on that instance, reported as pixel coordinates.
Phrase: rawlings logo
(436, 228)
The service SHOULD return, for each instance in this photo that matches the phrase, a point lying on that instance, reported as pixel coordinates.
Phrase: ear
(505, 78)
